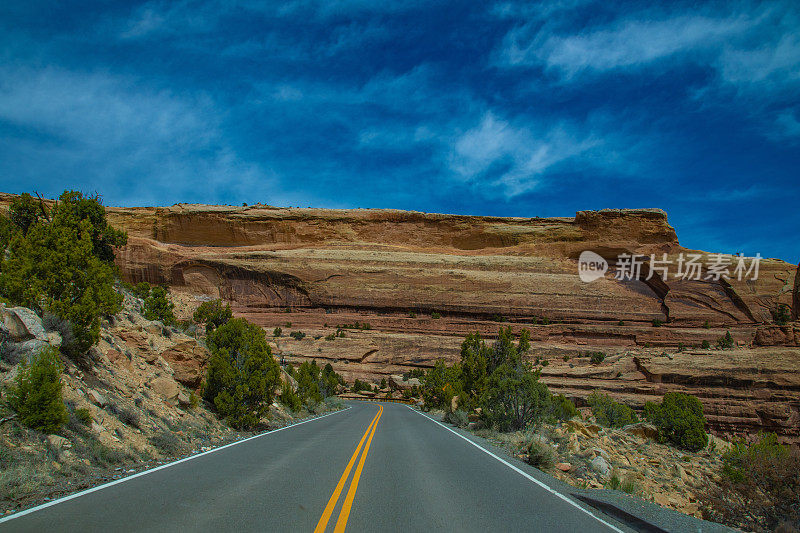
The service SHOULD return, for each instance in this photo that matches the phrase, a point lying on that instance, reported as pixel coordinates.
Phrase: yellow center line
(351, 492)
(326, 515)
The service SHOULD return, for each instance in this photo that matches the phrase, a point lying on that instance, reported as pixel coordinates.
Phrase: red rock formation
(329, 267)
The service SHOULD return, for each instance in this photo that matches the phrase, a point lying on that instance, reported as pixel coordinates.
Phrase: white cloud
(754, 50)
(627, 43)
(524, 157)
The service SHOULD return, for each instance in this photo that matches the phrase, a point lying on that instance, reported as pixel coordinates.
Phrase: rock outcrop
(423, 281)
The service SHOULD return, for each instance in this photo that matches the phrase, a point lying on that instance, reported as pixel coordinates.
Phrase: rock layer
(397, 270)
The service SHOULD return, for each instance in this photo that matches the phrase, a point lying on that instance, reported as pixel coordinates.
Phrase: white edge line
(525, 474)
(151, 470)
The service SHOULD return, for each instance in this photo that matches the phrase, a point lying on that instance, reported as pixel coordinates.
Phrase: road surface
(372, 467)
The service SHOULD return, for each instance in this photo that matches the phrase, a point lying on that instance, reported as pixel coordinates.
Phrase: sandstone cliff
(396, 270)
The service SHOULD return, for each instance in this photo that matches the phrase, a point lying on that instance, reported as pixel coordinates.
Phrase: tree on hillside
(213, 314)
(242, 375)
(62, 263)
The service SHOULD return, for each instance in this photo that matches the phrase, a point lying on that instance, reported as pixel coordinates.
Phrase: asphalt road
(373, 467)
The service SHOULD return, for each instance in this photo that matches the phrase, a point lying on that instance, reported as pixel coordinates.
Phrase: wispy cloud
(514, 158)
(91, 127)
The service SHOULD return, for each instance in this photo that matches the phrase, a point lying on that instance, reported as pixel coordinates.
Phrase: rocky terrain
(421, 282)
(589, 456)
(133, 403)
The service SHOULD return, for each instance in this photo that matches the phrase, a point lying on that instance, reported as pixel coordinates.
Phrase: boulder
(15, 352)
(643, 430)
(96, 397)
(184, 400)
(188, 361)
(155, 328)
(600, 466)
(119, 359)
(58, 442)
(165, 387)
(564, 467)
(23, 324)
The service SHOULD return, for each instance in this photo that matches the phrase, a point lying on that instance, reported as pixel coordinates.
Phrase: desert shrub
(329, 381)
(242, 375)
(36, 393)
(359, 386)
(621, 323)
(680, 420)
(540, 454)
(63, 263)
(514, 398)
(707, 324)
(562, 408)
(458, 418)
(213, 314)
(725, 342)
(102, 455)
(157, 306)
(657, 323)
(277, 332)
(129, 417)
(297, 335)
(308, 376)
(609, 412)
(289, 397)
(705, 345)
(782, 314)
(596, 357)
(625, 485)
(141, 290)
(84, 416)
(440, 384)
(759, 486)
(436, 315)
(167, 443)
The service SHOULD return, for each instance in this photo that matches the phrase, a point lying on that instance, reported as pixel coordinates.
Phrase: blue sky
(518, 109)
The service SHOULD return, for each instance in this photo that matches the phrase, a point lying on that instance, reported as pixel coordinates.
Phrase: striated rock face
(397, 270)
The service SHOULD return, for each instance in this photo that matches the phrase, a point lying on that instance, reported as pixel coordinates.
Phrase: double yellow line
(344, 514)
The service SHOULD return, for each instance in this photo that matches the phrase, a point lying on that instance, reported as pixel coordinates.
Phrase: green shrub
(562, 408)
(707, 324)
(514, 398)
(289, 397)
(596, 357)
(63, 264)
(277, 332)
(242, 374)
(657, 323)
(759, 486)
(782, 314)
(725, 342)
(679, 419)
(458, 418)
(36, 393)
(298, 335)
(142, 290)
(610, 413)
(436, 315)
(157, 306)
(84, 416)
(440, 384)
(213, 314)
(705, 345)
(308, 377)
(621, 323)
(540, 455)
(168, 443)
